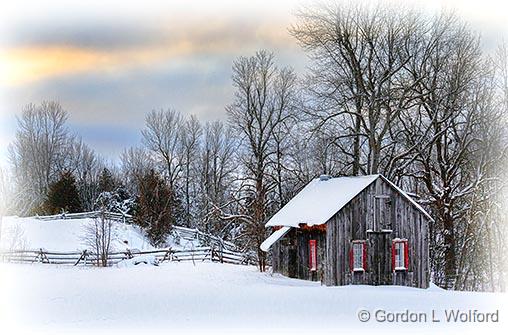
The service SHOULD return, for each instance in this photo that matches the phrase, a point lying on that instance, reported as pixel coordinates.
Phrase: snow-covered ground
(62, 235)
(214, 298)
(69, 235)
(195, 298)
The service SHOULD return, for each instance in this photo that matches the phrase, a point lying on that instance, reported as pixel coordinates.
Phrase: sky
(109, 63)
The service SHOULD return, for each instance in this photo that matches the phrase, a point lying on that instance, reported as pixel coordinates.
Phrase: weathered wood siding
(356, 221)
(361, 219)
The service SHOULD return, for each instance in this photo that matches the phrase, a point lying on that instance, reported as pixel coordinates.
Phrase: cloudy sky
(109, 63)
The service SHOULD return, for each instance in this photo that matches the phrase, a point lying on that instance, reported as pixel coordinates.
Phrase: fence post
(83, 256)
(41, 256)
(167, 255)
(128, 253)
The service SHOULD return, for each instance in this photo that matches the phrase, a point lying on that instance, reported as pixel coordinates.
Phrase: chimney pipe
(324, 177)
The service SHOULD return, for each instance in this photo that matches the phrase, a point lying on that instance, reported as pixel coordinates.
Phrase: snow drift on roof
(321, 199)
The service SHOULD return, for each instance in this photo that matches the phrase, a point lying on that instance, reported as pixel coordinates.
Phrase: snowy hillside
(68, 235)
(212, 297)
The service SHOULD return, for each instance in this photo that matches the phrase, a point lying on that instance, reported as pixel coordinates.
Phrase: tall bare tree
(191, 133)
(216, 175)
(86, 166)
(448, 116)
(262, 103)
(39, 150)
(358, 81)
(162, 135)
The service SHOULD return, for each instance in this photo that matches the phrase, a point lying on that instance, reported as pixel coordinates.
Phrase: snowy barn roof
(317, 202)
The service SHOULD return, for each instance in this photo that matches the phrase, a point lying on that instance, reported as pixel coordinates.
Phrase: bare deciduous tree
(135, 163)
(86, 166)
(38, 151)
(191, 132)
(162, 135)
(217, 167)
(262, 103)
(358, 81)
(99, 234)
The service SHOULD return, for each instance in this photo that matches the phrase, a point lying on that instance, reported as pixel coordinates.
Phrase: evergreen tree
(63, 195)
(156, 206)
(107, 182)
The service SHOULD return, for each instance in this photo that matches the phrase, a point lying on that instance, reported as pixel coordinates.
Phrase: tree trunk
(450, 267)
(356, 147)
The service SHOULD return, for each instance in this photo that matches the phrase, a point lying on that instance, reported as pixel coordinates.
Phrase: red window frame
(312, 255)
(352, 254)
(405, 247)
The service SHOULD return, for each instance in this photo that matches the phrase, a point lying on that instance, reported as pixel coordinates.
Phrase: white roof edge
(405, 195)
(276, 235)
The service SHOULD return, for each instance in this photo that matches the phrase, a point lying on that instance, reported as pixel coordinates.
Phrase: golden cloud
(24, 64)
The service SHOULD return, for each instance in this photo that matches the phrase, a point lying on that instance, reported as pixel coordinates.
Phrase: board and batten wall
(356, 221)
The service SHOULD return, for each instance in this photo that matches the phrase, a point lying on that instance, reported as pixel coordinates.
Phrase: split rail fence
(88, 258)
(216, 250)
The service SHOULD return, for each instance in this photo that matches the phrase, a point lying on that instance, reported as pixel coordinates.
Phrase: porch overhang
(276, 235)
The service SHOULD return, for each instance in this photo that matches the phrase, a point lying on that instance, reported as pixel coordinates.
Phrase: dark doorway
(379, 245)
(292, 261)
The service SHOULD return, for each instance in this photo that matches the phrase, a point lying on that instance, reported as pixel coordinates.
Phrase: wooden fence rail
(89, 258)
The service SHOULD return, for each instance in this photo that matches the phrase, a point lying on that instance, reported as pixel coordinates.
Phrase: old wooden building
(352, 230)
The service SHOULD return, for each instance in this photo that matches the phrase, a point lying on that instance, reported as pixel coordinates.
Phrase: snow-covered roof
(317, 202)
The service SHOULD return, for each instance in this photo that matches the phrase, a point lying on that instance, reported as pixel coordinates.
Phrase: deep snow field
(185, 298)
(213, 298)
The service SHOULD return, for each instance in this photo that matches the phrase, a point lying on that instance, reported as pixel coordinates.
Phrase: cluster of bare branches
(262, 114)
(196, 161)
(43, 149)
(99, 234)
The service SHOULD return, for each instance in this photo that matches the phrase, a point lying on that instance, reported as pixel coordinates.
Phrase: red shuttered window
(312, 255)
(358, 256)
(400, 255)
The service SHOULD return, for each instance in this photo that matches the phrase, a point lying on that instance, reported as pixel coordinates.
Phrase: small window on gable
(400, 255)
(358, 256)
(312, 255)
